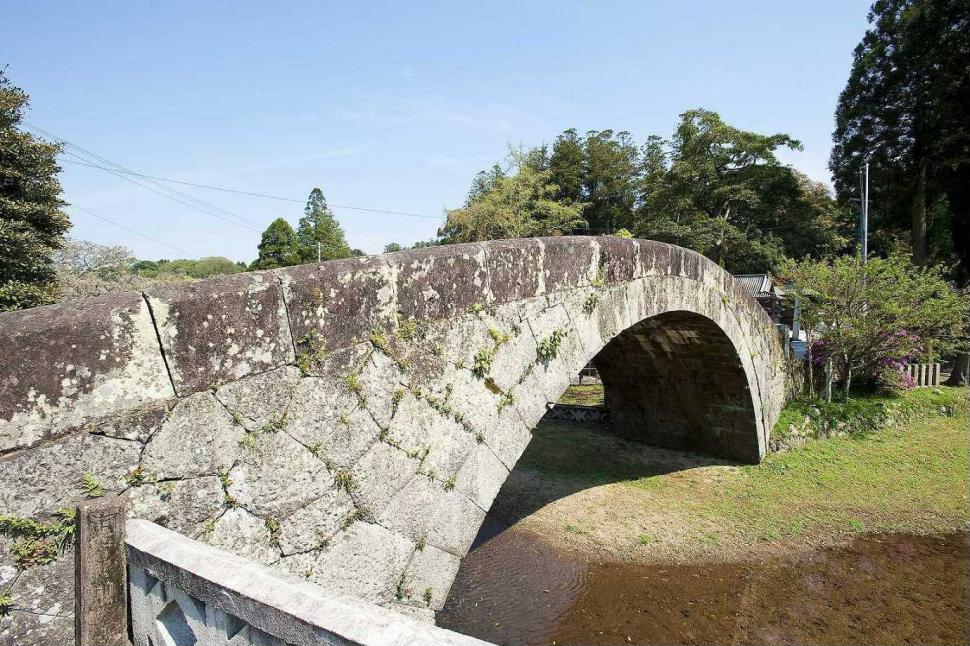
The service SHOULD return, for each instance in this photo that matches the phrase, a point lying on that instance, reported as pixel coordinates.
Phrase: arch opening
(676, 380)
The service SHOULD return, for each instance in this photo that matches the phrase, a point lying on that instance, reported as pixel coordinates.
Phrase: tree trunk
(828, 379)
(960, 376)
(920, 250)
(847, 384)
(811, 367)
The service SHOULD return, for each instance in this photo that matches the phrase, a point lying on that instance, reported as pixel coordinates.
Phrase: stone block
(245, 534)
(379, 474)
(481, 477)
(223, 329)
(568, 262)
(365, 561)
(199, 438)
(514, 269)
(440, 282)
(101, 579)
(312, 526)
(67, 365)
(275, 475)
(180, 505)
(619, 259)
(445, 519)
(45, 595)
(49, 477)
(339, 303)
(428, 577)
(260, 400)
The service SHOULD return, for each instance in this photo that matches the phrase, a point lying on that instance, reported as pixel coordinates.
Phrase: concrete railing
(184, 592)
(923, 374)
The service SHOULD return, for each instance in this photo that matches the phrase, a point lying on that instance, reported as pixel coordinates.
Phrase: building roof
(758, 285)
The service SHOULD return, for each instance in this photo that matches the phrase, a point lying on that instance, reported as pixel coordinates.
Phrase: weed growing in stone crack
(38, 543)
(401, 591)
(483, 362)
(480, 437)
(431, 474)
(140, 476)
(476, 308)
(498, 336)
(273, 527)
(421, 544)
(315, 449)
(237, 418)
(548, 348)
(598, 279)
(449, 484)
(229, 501)
(248, 440)
(396, 400)
(344, 419)
(407, 328)
(90, 486)
(343, 480)
(209, 526)
(589, 305)
(379, 341)
(428, 595)
(352, 381)
(506, 400)
(6, 605)
(275, 423)
(312, 351)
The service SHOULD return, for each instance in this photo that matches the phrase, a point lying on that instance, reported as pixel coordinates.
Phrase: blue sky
(392, 105)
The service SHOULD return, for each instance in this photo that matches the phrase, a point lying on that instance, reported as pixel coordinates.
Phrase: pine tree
(319, 226)
(32, 224)
(278, 247)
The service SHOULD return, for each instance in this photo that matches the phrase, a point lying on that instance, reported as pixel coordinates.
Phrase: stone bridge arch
(351, 422)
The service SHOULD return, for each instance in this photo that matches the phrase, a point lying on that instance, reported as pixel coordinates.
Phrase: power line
(264, 195)
(129, 229)
(120, 171)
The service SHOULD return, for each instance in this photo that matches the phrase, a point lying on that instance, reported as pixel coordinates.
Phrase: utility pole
(865, 216)
(318, 252)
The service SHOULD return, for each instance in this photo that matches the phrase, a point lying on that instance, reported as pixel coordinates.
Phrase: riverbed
(594, 540)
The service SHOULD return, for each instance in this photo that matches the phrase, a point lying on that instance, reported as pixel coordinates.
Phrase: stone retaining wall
(351, 422)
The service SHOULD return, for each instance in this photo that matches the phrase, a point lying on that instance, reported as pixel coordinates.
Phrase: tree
(514, 206)
(319, 230)
(32, 222)
(869, 314)
(722, 191)
(904, 109)
(392, 247)
(87, 269)
(278, 247)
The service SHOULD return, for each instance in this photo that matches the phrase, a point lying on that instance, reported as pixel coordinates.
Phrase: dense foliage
(904, 108)
(319, 234)
(32, 222)
(869, 315)
(710, 187)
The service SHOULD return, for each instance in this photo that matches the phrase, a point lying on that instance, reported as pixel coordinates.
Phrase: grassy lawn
(909, 476)
(586, 395)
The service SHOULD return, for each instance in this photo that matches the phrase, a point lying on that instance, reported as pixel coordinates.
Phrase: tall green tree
(318, 226)
(32, 222)
(278, 247)
(723, 192)
(904, 108)
(517, 205)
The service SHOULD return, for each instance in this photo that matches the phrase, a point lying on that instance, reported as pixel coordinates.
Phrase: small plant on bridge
(505, 401)
(589, 305)
(38, 543)
(548, 348)
(90, 486)
(311, 352)
(6, 605)
(428, 595)
(483, 362)
(140, 476)
(343, 480)
(273, 527)
(407, 328)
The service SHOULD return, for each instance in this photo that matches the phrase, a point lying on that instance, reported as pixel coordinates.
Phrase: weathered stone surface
(428, 577)
(481, 477)
(619, 259)
(337, 304)
(381, 473)
(310, 527)
(432, 434)
(242, 533)
(66, 365)
(220, 330)
(137, 424)
(260, 400)
(199, 438)
(277, 475)
(366, 561)
(49, 477)
(46, 595)
(569, 262)
(101, 594)
(423, 510)
(180, 505)
(327, 417)
(514, 269)
(440, 282)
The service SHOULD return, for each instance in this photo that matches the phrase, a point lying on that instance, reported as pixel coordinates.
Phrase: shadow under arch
(679, 399)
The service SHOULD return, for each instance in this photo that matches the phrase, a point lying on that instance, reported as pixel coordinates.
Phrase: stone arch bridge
(351, 422)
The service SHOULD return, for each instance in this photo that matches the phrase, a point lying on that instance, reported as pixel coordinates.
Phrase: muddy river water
(877, 589)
